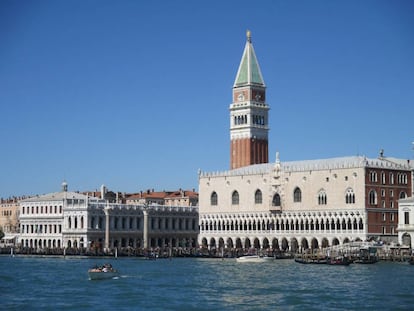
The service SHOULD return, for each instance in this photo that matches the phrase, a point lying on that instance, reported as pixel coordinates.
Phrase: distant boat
(311, 260)
(284, 256)
(103, 272)
(367, 256)
(366, 260)
(339, 261)
(253, 258)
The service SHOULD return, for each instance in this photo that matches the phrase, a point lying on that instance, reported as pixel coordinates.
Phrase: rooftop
(315, 165)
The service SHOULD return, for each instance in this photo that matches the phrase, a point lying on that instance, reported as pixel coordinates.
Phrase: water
(28, 283)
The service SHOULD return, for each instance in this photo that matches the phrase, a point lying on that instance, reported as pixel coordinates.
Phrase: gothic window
(373, 177)
(322, 199)
(403, 195)
(350, 196)
(391, 178)
(213, 198)
(235, 198)
(297, 195)
(402, 178)
(383, 180)
(258, 197)
(276, 200)
(372, 197)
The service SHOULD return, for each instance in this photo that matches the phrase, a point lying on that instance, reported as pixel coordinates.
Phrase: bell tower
(249, 113)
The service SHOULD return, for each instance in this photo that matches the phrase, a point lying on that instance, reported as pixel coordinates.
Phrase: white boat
(102, 273)
(253, 258)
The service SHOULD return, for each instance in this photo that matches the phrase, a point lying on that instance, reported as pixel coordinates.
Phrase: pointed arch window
(322, 198)
(213, 198)
(373, 177)
(297, 195)
(258, 198)
(373, 197)
(350, 196)
(383, 178)
(391, 178)
(276, 200)
(235, 198)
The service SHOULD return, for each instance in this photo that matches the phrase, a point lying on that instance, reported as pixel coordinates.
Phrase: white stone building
(406, 222)
(74, 220)
(55, 220)
(294, 205)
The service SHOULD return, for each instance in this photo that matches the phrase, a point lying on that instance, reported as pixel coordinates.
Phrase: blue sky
(135, 94)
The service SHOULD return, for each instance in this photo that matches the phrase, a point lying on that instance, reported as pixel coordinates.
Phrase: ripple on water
(194, 284)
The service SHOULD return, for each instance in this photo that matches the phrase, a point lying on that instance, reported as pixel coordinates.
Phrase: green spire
(249, 71)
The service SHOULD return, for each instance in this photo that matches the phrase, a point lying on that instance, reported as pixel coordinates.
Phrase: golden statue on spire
(249, 35)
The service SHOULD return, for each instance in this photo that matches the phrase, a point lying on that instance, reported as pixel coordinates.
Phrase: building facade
(74, 220)
(170, 198)
(406, 222)
(296, 205)
(9, 220)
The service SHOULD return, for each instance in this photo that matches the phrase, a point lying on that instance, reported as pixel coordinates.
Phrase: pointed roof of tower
(249, 71)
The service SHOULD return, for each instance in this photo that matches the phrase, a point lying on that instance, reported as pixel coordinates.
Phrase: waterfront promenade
(352, 250)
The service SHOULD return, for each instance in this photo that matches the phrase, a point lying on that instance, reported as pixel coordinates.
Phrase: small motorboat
(102, 272)
(366, 260)
(253, 258)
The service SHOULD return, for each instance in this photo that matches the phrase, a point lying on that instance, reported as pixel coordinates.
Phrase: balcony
(275, 209)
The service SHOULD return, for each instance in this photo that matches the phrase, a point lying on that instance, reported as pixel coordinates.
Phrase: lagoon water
(31, 283)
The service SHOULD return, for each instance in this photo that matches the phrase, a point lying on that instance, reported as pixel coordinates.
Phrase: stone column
(145, 229)
(106, 210)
